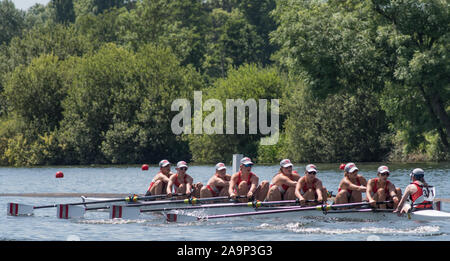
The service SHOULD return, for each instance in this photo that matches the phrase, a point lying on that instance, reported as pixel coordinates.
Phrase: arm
(232, 185)
(351, 186)
(297, 191)
(319, 188)
(251, 191)
(190, 180)
(408, 192)
(287, 181)
(392, 191)
(220, 182)
(164, 178)
(169, 186)
(369, 191)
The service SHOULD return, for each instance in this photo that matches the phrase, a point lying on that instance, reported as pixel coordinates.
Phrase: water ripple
(302, 228)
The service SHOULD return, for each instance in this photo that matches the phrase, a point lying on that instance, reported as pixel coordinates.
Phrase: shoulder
(295, 175)
(276, 177)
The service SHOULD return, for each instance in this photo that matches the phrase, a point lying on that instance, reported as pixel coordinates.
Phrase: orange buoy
(144, 167)
(59, 174)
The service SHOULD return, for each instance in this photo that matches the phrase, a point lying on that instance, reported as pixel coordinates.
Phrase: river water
(96, 226)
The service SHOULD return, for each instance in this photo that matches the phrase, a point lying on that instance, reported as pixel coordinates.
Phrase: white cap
(311, 168)
(418, 173)
(246, 160)
(163, 163)
(220, 166)
(383, 169)
(286, 163)
(181, 164)
(350, 167)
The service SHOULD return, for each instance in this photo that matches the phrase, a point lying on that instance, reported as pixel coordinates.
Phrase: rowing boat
(173, 211)
(131, 208)
(294, 213)
(187, 206)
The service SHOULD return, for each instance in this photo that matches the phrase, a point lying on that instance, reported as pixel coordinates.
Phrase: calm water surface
(96, 226)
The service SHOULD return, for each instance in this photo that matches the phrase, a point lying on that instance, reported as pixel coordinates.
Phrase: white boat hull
(204, 210)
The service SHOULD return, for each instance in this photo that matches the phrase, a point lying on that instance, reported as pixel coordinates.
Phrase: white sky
(25, 4)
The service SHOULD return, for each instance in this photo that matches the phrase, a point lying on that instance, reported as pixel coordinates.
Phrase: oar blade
(124, 212)
(67, 211)
(175, 217)
(15, 209)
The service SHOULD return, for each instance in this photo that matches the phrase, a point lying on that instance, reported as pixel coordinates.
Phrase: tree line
(92, 81)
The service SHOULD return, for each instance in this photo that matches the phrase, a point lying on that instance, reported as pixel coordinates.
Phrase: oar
(171, 217)
(132, 211)
(253, 204)
(191, 201)
(70, 210)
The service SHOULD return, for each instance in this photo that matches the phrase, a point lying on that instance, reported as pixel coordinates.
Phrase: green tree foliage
(30, 123)
(121, 113)
(417, 96)
(93, 81)
(11, 21)
(231, 42)
(179, 25)
(258, 14)
(83, 7)
(64, 11)
(38, 15)
(340, 128)
(56, 39)
(42, 78)
(393, 47)
(246, 82)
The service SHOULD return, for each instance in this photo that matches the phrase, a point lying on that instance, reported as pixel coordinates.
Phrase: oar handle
(45, 206)
(293, 209)
(131, 198)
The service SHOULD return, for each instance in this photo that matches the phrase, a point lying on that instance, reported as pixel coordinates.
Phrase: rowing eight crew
(287, 184)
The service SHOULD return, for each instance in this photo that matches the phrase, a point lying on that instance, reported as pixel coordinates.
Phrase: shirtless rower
(381, 189)
(418, 194)
(159, 183)
(182, 183)
(351, 186)
(283, 183)
(310, 188)
(217, 184)
(246, 183)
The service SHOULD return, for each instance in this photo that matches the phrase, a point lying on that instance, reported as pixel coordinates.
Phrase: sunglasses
(248, 165)
(183, 168)
(385, 174)
(312, 173)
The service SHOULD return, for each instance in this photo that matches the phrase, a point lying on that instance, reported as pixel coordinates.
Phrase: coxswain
(381, 189)
(218, 184)
(351, 186)
(246, 183)
(183, 183)
(158, 186)
(418, 194)
(283, 184)
(310, 188)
